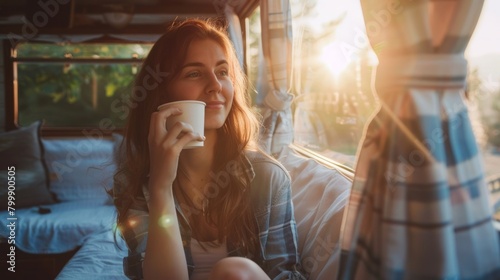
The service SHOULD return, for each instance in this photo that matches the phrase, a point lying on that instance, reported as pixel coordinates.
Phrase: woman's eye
(223, 73)
(193, 74)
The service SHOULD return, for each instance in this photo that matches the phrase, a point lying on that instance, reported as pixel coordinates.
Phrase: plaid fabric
(276, 22)
(234, 30)
(271, 195)
(419, 204)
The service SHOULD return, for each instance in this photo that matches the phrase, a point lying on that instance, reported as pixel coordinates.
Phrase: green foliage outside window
(75, 94)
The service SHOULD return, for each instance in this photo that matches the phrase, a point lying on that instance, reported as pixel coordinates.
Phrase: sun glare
(334, 59)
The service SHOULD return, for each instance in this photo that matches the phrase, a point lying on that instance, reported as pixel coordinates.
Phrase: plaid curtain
(419, 205)
(234, 30)
(276, 23)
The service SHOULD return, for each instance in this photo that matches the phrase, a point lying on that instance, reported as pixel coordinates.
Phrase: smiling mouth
(214, 105)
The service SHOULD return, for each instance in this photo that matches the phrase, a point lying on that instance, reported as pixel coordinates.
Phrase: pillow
(22, 166)
(80, 168)
(319, 195)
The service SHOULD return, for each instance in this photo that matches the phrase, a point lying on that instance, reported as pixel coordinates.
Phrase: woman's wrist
(160, 197)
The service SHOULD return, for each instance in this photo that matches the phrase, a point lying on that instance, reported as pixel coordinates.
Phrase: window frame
(12, 94)
(243, 10)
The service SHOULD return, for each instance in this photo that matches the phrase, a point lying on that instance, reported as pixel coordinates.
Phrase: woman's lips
(215, 105)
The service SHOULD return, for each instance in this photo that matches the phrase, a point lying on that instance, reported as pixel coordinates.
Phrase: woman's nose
(214, 85)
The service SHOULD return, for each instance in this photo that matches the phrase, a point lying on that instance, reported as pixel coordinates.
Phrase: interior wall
(2, 91)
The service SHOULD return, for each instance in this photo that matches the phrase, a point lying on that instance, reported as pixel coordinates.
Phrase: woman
(221, 211)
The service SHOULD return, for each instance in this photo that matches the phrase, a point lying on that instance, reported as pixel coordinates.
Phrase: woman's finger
(180, 135)
(158, 121)
(181, 131)
(189, 137)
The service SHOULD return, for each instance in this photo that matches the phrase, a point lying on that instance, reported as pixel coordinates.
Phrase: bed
(59, 196)
(63, 229)
(99, 258)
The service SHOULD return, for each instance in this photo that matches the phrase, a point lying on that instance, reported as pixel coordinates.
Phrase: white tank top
(203, 260)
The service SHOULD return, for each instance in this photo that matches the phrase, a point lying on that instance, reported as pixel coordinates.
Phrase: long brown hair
(231, 208)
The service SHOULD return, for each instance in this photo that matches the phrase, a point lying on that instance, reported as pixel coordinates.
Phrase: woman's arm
(165, 258)
(140, 236)
(280, 242)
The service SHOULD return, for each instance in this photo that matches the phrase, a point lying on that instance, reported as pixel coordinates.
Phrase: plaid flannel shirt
(273, 208)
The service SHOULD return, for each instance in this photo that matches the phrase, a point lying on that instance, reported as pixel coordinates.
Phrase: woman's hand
(165, 148)
(164, 237)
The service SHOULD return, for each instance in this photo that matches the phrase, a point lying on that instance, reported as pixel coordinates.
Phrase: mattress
(99, 258)
(58, 228)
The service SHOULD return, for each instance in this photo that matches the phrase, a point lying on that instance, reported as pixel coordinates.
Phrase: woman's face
(204, 76)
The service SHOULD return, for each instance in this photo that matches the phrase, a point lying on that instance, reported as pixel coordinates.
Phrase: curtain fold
(234, 30)
(419, 204)
(276, 22)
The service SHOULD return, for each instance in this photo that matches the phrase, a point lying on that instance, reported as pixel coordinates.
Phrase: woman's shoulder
(271, 184)
(270, 179)
(264, 164)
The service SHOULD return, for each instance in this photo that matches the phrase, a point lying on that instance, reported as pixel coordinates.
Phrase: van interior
(387, 119)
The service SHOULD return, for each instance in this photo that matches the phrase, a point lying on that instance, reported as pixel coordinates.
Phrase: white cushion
(319, 196)
(80, 168)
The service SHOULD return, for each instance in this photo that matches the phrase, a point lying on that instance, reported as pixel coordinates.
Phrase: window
(331, 76)
(483, 92)
(254, 54)
(332, 72)
(76, 85)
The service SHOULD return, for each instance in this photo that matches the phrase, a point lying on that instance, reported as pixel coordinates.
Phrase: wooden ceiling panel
(89, 16)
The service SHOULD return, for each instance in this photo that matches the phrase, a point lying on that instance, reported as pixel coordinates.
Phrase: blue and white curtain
(234, 30)
(419, 205)
(276, 23)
